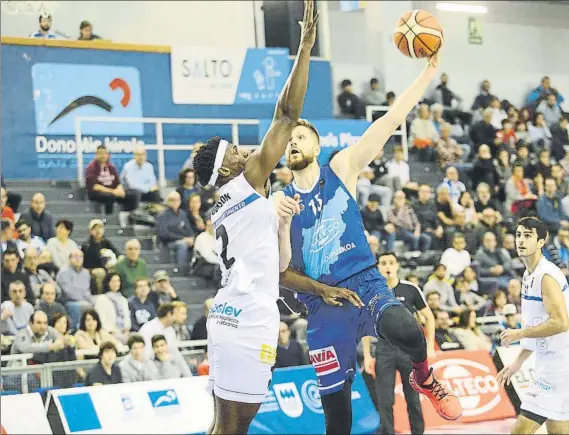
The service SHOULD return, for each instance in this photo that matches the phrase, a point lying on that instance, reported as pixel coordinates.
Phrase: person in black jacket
(350, 105)
(375, 224)
(41, 219)
(174, 229)
(106, 371)
(482, 132)
(97, 242)
(11, 272)
(289, 352)
(482, 100)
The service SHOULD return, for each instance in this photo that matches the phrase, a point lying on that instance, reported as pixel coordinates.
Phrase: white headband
(218, 161)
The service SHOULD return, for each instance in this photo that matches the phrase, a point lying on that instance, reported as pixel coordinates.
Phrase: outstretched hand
(331, 296)
(435, 59)
(308, 24)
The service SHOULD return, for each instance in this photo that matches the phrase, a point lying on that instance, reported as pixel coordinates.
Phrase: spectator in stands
(75, 283)
(438, 282)
(549, 208)
(16, 312)
(374, 244)
(195, 216)
(456, 258)
(437, 116)
(163, 292)
(7, 238)
(499, 301)
(11, 272)
(483, 99)
(471, 279)
(485, 201)
(169, 367)
(37, 277)
(398, 172)
(539, 132)
(136, 366)
(44, 32)
(483, 169)
(97, 247)
(199, 331)
(373, 96)
(550, 110)
(424, 135)
(350, 105)
(509, 244)
(444, 336)
(543, 165)
(560, 138)
(389, 99)
(467, 298)
(106, 371)
(61, 246)
(103, 184)
(206, 262)
(407, 226)
(48, 303)
(139, 179)
(86, 32)
(494, 262)
(174, 230)
(503, 171)
(289, 352)
(60, 322)
(562, 244)
(466, 204)
(142, 308)
(506, 136)
(112, 308)
(465, 229)
(482, 132)
(425, 209)
(366, 187)
(498, 114)
(517, 188)
(40, 218)
(130, 267)
(180, 321)
(13, 200)
(91, 334)
(444, 206)
(455, 186)
(26, 239)
(433, 299)
(39, 339)
(376, 225)
(7, 212)
(187, 185)
(451, 102)
(449, 152)
(189, 163)
(561, 179)
(541, 92)
(469, 334)
(522, 134)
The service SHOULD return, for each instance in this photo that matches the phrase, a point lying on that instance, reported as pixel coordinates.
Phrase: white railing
(160, 147)
(370, 110)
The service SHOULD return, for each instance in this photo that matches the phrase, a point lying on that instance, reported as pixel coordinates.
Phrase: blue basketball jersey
(327, 237)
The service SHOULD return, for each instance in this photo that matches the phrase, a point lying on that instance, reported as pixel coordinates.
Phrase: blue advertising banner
(335, 134)
(45, 88)
(292, 405)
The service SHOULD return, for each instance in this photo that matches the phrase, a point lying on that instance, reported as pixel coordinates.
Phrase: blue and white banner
(216, 75)
(335, 134)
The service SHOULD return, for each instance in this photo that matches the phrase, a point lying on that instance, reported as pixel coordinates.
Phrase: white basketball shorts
(549, 395)
(242, 334)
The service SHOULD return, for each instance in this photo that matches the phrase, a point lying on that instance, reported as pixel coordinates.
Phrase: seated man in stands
(449, 152)
(199, 331)
(483, 99)
(6, 211)
(425, 209)
(482, 132)
(433, 299)
(16, 312)
(180, 321)
(25, 237)
(350, 105)
(139, 179)
(439, 283)
(7, 240)
(136, 367)
(407, 226)
(174, 230)
(542, 91)
(40, 218)
(375, 224)
(424, 135)
(444, 336)
(37, 277)
(488, 223)
(131, 267)
(75, 283)
(207, 262)
(465, 229)
(95, 247)
(289, 352)
(456, 258)
(444, 206)
(549, 208)
(162, 291)
(61, 246)
(485, 200)
(455, 186)
(47, 302)
(493, 262)
(103, 184)
(11, 272)
(373, 96)
(169, 367)
(142, 308)
(106, 371)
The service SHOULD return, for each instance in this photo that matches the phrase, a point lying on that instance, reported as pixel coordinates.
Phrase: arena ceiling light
(458, 7)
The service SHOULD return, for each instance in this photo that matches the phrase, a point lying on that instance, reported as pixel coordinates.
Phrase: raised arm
(356, 157)
(287, 207)
(289, 107)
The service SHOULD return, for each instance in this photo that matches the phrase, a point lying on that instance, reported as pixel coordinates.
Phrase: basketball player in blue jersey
(329, 245)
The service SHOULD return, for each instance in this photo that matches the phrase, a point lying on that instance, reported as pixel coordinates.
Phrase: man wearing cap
(97, 242)
(131, 267)
(163, 290)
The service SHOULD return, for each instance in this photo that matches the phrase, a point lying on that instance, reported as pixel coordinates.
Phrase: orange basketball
(418, 34)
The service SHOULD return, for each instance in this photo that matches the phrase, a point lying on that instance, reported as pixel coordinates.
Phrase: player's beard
(299, 165)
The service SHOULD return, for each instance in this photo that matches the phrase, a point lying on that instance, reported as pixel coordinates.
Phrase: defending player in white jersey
(545, 300)
(243, 323)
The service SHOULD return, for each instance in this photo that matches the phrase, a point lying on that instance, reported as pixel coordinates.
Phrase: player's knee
(398, 325)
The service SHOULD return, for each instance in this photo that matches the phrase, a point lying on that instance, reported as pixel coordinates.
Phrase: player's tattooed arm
(289, 107)
(349, 162)
(293, 280)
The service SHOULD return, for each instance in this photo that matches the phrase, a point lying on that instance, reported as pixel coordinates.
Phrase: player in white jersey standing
(243, 323)
(545, 300)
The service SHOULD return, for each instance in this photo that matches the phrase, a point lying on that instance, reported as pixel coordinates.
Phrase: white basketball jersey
(533, 310)
(245, 226)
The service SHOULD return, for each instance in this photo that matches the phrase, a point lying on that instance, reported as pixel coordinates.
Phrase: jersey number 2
(221, 233)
